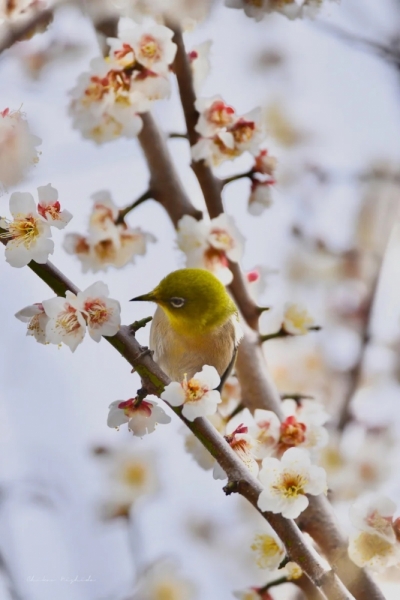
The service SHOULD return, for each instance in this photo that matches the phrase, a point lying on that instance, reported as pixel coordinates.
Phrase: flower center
(194, 390)
(149, 47)
(97, 312)
(135, 475)
(167, 591)
(370, 545)
(292, 432)
(220, 114)
(243, 131)
(105, 250)
(222, 238)
(290, 484)
(68, 320)
(25, 230)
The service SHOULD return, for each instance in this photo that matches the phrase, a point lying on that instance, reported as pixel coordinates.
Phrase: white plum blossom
(37, 321)
(214, 115)
(49, 207)
(142, 416)
(107, 243)
(303, 426)
(210, 244)
(150, 46)
(293, 570)
(66, 324)
(102, 314)
(296, 320)
(377, 542)
(103, 107)
(129, 475)
(163, 582)
(18, 147)
(287, 481)
(269, 550)
(198, 395)
(28, 234)
(70, 316)
(200, 64)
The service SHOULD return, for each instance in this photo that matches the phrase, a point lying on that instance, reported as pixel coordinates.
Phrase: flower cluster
(106, 102)
(65, 320)
(224, 135)
(377, 543)
(292, 9)
(142, 416)
(197, 396)
(262, 181)
(18, 147)
(285, 449)
(107, 243)
(211, 244)
(28, 234)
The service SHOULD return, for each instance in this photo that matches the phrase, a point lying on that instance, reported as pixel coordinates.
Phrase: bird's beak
(144, 298)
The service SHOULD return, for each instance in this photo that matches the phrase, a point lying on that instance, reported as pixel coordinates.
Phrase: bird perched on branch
(196, 323)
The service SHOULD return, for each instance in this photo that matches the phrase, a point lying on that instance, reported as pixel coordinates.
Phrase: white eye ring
(177, 302)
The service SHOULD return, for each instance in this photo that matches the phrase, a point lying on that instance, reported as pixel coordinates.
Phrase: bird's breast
(179, 354)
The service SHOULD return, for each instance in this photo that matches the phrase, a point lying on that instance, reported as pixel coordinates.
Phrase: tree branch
(154, 380)
(165, 184)
(18, 32)
(211, 186)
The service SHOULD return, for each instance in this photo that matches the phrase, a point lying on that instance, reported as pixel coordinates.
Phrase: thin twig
(136, 325)
(227, 180)
(125, 211)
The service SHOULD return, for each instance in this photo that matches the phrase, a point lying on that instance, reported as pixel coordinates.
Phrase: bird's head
(194, 300)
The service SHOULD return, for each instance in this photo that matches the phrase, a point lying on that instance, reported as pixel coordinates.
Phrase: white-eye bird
(196, 323)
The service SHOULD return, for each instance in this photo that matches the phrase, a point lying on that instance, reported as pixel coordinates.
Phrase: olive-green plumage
(195, 324)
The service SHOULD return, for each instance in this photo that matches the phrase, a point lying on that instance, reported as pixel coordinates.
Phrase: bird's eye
(177, 302)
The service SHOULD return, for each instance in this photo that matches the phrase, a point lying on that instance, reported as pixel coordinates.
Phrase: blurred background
(330, 92)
